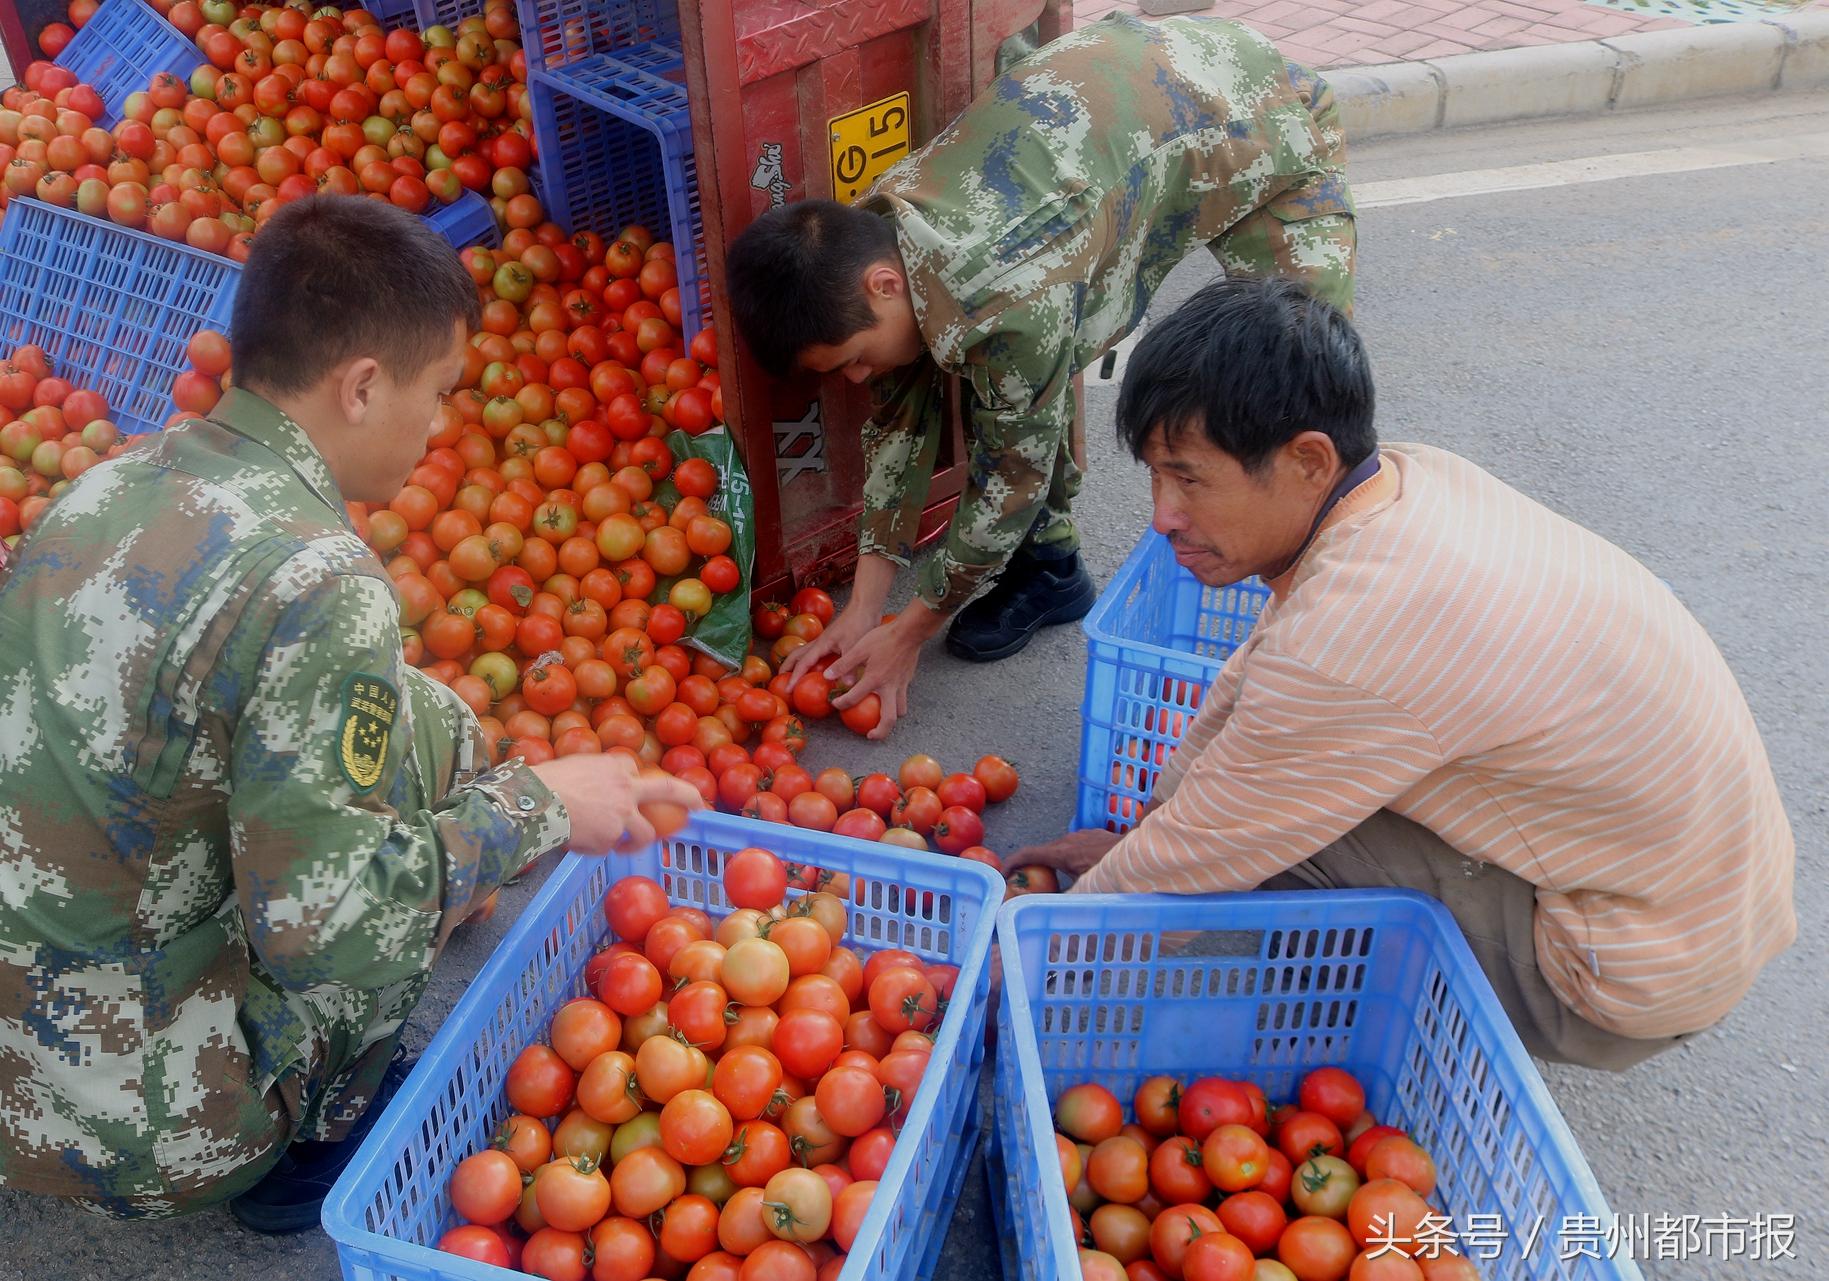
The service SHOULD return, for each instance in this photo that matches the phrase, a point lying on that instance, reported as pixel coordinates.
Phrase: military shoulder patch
(369, 707)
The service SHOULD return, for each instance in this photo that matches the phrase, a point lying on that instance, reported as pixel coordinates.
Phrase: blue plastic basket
(122, 47)
(466, 221)
(393, 14)
(615, 143)
(114, 309)
(558, 32)
(1154, 643)
(391, 1205)
(1265, 987)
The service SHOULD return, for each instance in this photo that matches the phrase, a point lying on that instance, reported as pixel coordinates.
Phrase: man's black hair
(333, 277)
(795, 277)
(1252, 364)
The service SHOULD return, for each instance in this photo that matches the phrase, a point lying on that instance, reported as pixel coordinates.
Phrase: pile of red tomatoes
(292, 100)
(55, 431)
(1211, 1183)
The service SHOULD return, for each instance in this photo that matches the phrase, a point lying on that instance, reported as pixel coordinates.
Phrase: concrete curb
(1584, 78)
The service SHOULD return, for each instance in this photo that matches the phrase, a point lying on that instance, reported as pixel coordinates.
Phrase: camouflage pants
(1280, 240)
(336, 1041)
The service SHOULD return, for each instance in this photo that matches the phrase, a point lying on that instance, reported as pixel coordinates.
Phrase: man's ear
(884, 280)
(1315, 459)
(357, 384)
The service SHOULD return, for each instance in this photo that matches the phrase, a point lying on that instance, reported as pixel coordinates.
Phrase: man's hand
(883, 663)
(1076, 852)
(604, 795)
(869, 595)
(851, 626)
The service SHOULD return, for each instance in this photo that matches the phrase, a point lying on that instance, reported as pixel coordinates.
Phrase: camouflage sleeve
(1022, 419)
(359, 841)
(901, 442)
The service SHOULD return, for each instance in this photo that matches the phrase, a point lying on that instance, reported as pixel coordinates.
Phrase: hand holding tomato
(609, 800)
(1075, 852)
(883, 663)
(841, 634)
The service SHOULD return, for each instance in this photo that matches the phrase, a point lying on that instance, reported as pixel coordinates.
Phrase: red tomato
(556, 1255)
(1362, 1146)
(539, 1082)
(479, 1243)
(879, 793)
(1089, 1113)
(958, 829)
(583, 1029)
(962, 790)
(486, 1187)
(814, 601)
(1306, 1133)
(806, 1041)
(1235, 1157)
(1317, 1249)
(632, 906)
(1402, 1159)
(755, 878)
(1218, 1256)
(901, 999)
(1210, 1103)
(863, 716)
(1333, 1093)
(1177, 1173)
(695, 1127)
(1177, 1228)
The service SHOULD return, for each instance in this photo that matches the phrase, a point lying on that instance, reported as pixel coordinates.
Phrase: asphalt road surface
(1636, 341)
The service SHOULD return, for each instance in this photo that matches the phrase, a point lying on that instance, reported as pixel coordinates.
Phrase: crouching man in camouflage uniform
(1013, 250)
(235, 827)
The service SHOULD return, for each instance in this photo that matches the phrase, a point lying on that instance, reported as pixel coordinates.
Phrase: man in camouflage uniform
(1018, 246)
(235, 827)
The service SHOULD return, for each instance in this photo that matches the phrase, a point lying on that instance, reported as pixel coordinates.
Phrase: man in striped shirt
(1452, 689)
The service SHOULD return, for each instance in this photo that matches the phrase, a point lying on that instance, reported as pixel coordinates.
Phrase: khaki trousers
(1495, 910)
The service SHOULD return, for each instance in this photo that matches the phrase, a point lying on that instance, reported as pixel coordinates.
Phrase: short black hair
(333, 277)
(795, 277)
(1253, 364)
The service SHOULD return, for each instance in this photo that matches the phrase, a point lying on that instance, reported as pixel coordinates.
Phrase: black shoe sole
(1066, 612)
(275, 1221)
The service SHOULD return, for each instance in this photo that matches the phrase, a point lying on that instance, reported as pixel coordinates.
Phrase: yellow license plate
(865, 142)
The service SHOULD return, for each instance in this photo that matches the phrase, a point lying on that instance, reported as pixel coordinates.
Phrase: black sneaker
(291, 1196)
(1032, 592)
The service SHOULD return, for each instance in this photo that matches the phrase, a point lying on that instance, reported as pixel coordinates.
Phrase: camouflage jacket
(230, 814)
(1035, 229)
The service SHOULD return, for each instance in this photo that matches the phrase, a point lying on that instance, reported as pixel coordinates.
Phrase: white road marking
(1565, 173)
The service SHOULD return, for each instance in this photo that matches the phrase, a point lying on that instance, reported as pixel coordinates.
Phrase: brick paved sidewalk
(1336, 33)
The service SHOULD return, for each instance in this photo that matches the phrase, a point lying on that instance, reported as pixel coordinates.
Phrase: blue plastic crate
(615, 143)
(466, 221)
(390, 1207)
(122, 47)
(558, 32)
(1154, 643)
(1264, 987)
(114, 309)
(442, 13)
(393, 14)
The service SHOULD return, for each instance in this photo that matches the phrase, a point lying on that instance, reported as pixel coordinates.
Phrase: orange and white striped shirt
(1451, 650)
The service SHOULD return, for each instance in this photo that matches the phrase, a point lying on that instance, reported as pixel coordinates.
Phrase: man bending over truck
(1013, 250)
